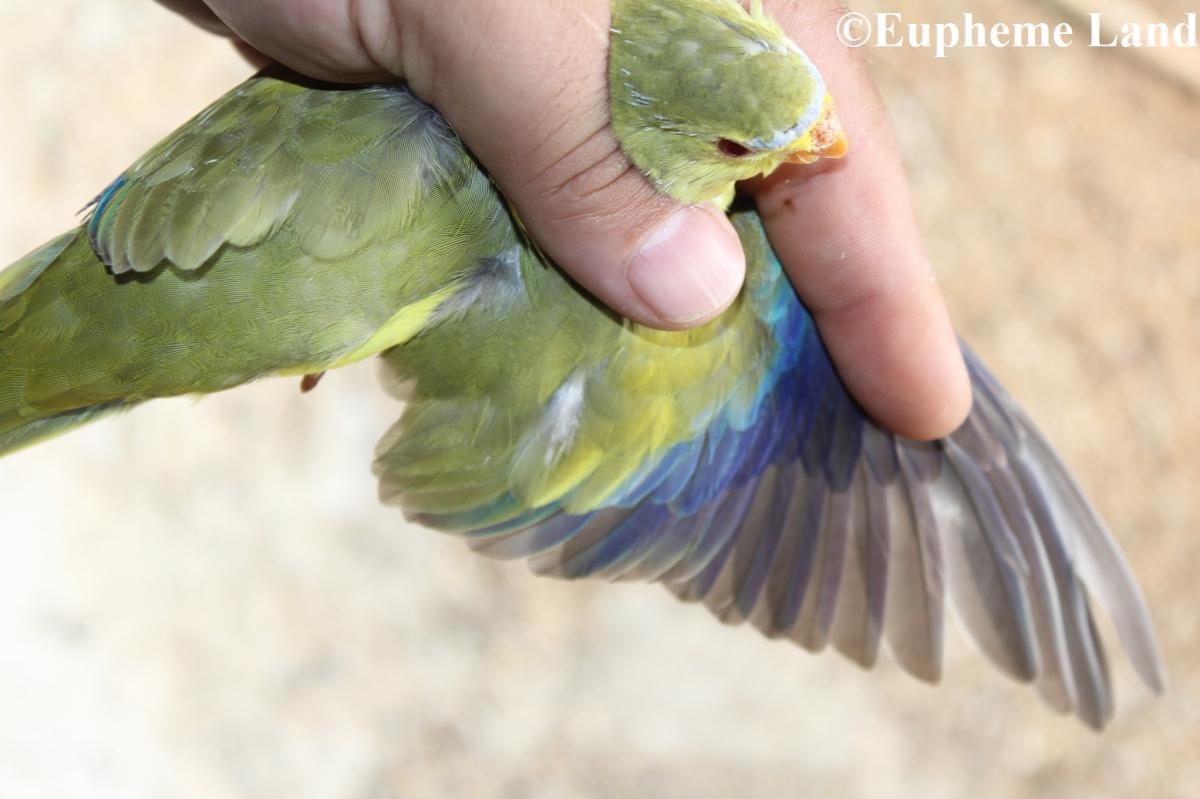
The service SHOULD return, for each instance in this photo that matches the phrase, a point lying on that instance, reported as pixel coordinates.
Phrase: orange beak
(825, 140)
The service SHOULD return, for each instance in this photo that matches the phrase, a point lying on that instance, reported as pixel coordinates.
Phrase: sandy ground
(203, 600)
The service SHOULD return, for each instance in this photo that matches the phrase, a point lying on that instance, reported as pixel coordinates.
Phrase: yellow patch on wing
(403, 325)
(565, 476)
(657, 391)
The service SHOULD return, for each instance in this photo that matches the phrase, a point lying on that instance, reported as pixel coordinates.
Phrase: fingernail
(689, 267)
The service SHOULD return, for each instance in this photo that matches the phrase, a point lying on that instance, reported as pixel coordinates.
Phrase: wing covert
(344, 168)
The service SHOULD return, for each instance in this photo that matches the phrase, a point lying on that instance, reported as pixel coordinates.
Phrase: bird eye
(732, 149)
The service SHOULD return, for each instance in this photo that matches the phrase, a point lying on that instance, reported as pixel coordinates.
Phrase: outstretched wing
(739, 473)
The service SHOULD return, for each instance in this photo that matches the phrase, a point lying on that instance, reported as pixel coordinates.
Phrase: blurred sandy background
(203, 600)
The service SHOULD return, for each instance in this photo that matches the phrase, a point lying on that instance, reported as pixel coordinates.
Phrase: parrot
(295, 226)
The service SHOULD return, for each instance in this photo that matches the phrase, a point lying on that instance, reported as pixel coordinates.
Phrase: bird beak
(825, 139)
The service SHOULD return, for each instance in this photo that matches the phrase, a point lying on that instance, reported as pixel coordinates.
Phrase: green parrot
(294, 227)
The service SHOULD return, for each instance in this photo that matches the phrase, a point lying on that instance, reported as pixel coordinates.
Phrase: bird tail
(24, 422)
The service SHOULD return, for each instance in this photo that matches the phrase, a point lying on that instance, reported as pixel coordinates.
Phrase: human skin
(525, 85)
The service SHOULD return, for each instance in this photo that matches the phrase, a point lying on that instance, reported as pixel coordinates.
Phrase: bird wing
(739, 472)
(340, 168)
(289, 228)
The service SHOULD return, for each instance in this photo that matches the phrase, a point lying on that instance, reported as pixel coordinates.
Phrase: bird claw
(309, 382)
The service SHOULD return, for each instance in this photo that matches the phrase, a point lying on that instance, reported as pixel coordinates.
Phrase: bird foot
(309, 382)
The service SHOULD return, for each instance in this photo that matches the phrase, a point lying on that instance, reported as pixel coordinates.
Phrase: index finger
(846, 235)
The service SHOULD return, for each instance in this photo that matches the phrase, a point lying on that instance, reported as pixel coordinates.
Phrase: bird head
(705, 93)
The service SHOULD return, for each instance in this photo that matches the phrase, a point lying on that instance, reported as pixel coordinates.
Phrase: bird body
(294, 227)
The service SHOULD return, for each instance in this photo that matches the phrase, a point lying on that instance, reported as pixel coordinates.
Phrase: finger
(334, 40)
(199, 13)
(256, 58)
(846, 234)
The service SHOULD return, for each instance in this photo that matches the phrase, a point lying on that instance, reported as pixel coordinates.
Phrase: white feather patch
(560, 421)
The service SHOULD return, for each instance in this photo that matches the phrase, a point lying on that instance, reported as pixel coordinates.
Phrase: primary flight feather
(294, 227)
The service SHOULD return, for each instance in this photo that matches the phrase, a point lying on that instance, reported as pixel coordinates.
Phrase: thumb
(525, 86)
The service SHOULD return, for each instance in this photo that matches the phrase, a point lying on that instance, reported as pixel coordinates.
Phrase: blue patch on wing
(685, 511)
(99, 206)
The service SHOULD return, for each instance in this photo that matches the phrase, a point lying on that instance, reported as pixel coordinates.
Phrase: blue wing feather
(761, 514)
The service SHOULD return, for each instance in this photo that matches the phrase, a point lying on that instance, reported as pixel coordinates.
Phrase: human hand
(525, 86)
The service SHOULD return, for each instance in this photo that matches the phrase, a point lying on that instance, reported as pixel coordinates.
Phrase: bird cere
(294, 227)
